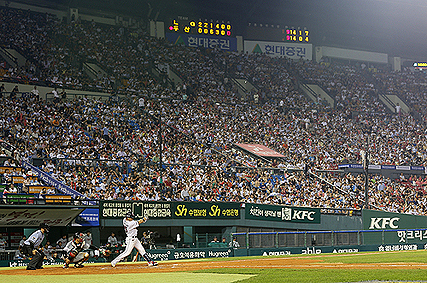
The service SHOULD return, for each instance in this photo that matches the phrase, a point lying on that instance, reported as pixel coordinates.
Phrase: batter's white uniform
(131, 230)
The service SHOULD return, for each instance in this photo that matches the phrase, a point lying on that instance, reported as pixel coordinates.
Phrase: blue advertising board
(383, 167)
(49, 180)
(88, 217)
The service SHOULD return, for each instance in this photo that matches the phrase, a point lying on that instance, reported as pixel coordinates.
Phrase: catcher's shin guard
(80, 262)
(78, 265)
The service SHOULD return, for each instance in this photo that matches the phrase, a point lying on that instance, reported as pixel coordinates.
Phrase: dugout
(18, 220)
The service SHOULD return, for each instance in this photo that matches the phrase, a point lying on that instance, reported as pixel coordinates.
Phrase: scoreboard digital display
(277, 33)
(295, 35)
(181, 25)
(420, 66)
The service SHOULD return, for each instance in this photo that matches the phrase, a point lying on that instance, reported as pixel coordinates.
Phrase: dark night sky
(396, 27)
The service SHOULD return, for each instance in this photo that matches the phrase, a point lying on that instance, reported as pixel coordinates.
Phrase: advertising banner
(63, 199)
(282, 213)
(383, 167)
(56, 262)
(199, 253)
(176, 210)
(89, 217)
(331, 249)
(382, 220)
(161, 255)
(207, 210)
(356, 166)
(9, 168)
(206, 41)
(53, 182)
(157, 255)
(388, 167)
(403, 167)
(118, 209)
(259, 149)
(21, 217)
(276, 49)
(19, 198)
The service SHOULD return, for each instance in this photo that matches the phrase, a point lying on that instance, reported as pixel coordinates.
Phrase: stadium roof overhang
(32, 216)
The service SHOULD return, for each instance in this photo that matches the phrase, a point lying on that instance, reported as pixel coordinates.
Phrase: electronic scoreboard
(277, 33)
(184, 25)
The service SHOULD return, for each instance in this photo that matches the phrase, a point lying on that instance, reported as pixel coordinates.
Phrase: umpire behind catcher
(32, 247)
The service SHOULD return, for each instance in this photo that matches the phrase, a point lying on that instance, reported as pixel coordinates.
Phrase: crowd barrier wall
(6, 259)
(389, 171)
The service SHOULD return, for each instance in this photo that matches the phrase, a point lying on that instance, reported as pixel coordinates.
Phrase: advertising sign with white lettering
(163, 254)
(382, 220)
(118, 209)
(259, 149)
(206, 41)
(177, 210)
(89, 217)
(282, 213)
(276, 49)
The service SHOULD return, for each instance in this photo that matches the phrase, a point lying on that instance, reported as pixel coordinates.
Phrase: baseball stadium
(213, 141)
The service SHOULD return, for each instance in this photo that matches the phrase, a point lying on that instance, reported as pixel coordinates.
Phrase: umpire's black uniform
(32, 249)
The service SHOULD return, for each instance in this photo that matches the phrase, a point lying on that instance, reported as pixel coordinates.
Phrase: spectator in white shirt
(35, 93)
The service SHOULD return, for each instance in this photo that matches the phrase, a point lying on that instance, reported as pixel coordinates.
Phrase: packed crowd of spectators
(56, 52)
(348, 84)
(407, 84)
(48, 62)
(111, 152)
(106, 149)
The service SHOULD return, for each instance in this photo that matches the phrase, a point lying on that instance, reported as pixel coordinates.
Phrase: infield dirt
(167, 266)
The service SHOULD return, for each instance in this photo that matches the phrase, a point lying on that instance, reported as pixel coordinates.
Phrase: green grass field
(333, 275)
(247, 275)
(342, 275)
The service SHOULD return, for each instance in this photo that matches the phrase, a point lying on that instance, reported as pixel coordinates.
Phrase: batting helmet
(45, 227)
(130, 215)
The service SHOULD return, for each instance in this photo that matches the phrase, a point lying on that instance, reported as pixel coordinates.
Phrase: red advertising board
(259, 149)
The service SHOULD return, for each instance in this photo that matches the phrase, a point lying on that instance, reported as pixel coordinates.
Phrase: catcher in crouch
(76, 251)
